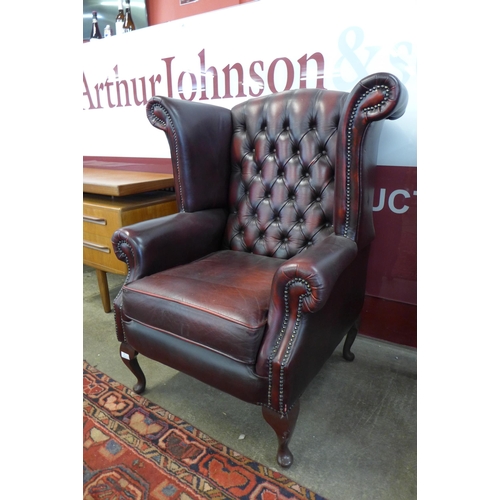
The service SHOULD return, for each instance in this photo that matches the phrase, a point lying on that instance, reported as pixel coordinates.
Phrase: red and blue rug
(133, 450)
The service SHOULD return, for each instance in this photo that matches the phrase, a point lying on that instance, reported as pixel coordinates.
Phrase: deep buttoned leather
(283, 172)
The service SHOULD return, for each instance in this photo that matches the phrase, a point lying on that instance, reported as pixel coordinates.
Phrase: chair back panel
(282, 171)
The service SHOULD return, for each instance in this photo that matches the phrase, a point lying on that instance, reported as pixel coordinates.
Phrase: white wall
(269, 37)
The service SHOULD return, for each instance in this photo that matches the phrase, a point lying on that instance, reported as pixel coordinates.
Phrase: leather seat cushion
(219, 302)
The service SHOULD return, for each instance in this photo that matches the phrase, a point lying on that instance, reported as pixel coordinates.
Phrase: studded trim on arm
(288, 337)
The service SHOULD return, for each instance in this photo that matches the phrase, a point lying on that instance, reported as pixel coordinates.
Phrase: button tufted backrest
(281, 197)
(298, 165)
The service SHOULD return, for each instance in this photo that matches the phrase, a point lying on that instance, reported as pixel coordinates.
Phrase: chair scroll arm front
(302, 285)
(317, 269)
(157, 244)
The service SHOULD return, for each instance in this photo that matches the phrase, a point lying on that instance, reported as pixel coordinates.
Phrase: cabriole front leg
(349, 340)
(129, 357)
(283, 426)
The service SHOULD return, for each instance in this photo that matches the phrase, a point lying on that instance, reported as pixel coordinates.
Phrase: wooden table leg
(102, 280)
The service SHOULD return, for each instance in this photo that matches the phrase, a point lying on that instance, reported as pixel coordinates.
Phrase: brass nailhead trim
(378, 106)
(119, 246)
(155, 119)
(290, 343)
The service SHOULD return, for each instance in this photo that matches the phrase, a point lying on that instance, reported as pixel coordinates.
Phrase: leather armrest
(315, 271)
(158, 244)
(303, 284)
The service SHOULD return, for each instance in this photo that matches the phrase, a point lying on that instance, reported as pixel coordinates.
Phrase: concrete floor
(356, 436)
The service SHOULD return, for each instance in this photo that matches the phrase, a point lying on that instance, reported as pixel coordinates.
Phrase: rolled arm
(302, 285)
(315, 271)
(377, 97)
(155, 245)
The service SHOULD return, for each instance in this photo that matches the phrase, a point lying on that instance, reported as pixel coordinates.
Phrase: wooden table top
(123, 182)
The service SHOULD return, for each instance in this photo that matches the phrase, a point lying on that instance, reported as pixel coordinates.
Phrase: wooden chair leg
(283, 426)
(129, 357)
(102, 281)
(349, 340)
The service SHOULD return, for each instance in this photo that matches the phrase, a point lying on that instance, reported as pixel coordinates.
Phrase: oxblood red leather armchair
(261, 274)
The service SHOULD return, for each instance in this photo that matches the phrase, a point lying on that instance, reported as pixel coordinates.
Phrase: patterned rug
(134, 450)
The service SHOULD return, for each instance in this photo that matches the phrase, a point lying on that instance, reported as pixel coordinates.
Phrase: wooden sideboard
(113, 199)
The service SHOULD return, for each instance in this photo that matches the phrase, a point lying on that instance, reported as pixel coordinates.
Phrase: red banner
(392, 270)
